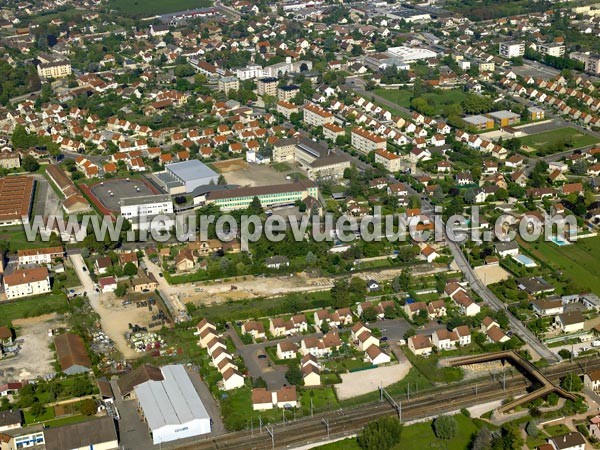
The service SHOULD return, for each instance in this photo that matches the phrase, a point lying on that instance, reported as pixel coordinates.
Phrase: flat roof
(191, 170)
(172, 401)
(504, 114)
(145, 200)
(476, 120)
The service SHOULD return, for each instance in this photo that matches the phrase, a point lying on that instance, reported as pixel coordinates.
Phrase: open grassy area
(576, 137)
(421, 435)
(281, 167)
(578, 262)
(344, 444)
(399, 96)
(146, 8)
(32, 307)
(17, 240)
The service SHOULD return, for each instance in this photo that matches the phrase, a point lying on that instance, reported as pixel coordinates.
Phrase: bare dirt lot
(491, 274)
(239, 172)
(116, 319)
(363, 382)
(35, 358)
(231, 165)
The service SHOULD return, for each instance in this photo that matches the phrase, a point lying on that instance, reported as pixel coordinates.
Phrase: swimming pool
(525, 260)
(559, 240)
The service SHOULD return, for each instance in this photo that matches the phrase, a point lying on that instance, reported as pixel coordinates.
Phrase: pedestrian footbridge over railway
(525, 367)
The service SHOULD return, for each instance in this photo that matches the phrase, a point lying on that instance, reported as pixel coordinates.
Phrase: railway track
(345, 422)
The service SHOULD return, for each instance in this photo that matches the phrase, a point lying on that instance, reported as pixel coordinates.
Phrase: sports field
(576, 137)
(578, 262)
(146, 8)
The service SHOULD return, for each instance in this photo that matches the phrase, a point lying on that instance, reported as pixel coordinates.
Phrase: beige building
(27, 282)
(592, 64)
(227, 84)
(57, 69)
(331, 131)
(288, 92)
(389, 160)
(286, 109)
(316, 116)
(10, 160)
(267, 86)
(552, 49)
(364, 141)
(330, 167)
(486, 66)
(284, 150)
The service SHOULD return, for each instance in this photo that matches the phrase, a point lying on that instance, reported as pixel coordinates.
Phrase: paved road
(211, 405)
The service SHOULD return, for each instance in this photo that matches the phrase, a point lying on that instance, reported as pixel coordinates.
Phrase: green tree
(294, 374)
(445, 427)
(130, 269)
(382, 434)
(571, 382)
(121, 290)
(483, 439)
(37, 409)
(30, 164)
(88, 407)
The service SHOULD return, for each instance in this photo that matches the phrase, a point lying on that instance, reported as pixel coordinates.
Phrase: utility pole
(260, 424)
(311, 408)
(252, 425)
(271, 432)
(504, 381)
(326, 423)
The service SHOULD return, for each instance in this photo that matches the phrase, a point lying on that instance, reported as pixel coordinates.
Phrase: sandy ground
(359, 383)
(35, 358)
(116, 319)
(491, 274)
(241, 173)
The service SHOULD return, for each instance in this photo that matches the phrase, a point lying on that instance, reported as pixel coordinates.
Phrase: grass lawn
(32, 307)
(30, 420)
(344, 444)
(421, 435)
(430, 370)
(579, 261)
(67, 420)
(281, 167)
(556, 430)
(540, 140)
(323, 399)
(399, 96)
(17, 239)
(145, 8)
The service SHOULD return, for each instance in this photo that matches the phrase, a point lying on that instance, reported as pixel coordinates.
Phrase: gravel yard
(363, 382)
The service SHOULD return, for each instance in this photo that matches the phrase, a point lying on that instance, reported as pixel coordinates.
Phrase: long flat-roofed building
(16, 197)
(172, 407)
(274, 195)
(150, 205)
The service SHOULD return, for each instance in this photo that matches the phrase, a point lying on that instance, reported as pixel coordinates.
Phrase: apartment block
(389, 160)
(316, 116)
(364, 141)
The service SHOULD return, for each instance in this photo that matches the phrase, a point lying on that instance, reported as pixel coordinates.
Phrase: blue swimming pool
(559, 240)
(525, 260)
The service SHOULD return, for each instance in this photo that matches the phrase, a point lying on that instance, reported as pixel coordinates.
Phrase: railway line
(345, 422)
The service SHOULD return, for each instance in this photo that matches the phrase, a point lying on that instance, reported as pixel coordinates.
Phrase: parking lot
(110, 194)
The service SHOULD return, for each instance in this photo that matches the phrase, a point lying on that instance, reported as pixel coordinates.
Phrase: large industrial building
(183, 177)
(16, 197)
(172, 407)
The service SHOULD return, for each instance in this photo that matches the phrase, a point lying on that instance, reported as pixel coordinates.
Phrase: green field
(399, 96)
(281, 167)
(541, 140)
(32, 307)
(578, 262)
(17, 240)
(420, 436)
(145, 8)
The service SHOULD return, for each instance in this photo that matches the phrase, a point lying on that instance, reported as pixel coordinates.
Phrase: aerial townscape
(243, 224)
